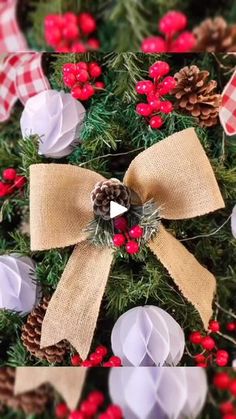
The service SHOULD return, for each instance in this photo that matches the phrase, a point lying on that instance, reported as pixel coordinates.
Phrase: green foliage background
(112, 136)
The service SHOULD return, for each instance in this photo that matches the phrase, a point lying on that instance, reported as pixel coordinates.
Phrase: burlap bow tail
(67, 381)
(176, 174)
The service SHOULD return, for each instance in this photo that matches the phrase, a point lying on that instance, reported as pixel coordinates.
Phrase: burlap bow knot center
(176, 174)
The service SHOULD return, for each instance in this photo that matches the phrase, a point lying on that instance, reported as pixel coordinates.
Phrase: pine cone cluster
(106, 191)
(215, 35)
(196, 95)
(33, 402)
(31, 335)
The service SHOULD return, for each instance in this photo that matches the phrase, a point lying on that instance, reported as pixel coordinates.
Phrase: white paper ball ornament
(158, 393)
(147, 336)
(18, 288)
(56, 117)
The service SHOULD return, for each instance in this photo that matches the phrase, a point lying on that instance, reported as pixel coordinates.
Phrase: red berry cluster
(210, 353)
(154, 91)
(171, 26)
(69, 33)
(226, 384)
(127, 237)
(81, 79)
(89, 409)
(96, 359)
(11, 182)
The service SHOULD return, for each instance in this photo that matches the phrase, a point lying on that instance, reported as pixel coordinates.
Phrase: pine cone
(33, 402)
(106, 191)
(196, 95)
(215, 35)
(31, 334)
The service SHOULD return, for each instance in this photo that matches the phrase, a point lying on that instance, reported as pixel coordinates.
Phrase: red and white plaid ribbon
(228, 107)
(11, 37)
(21, 76)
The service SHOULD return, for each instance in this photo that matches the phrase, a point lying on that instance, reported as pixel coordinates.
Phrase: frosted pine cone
(106, 191)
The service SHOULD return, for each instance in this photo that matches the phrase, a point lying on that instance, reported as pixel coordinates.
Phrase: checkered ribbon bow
(228, 107)
(11, 38)
(21, 76)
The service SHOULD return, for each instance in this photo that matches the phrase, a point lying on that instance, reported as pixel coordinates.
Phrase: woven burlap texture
(66, 380)
(176, 173)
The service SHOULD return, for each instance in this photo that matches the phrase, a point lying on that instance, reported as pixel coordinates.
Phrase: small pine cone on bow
(106, 191)
(196, 95)
(31, 335)
(215, 35)
(32, 402)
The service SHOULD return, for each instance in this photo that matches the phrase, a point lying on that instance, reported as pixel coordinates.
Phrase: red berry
(87, 363)
(78, 47)
(166, 107)
(81, 65)
(200, 359)
(88, 408)
(115, 361)
(159, 69)
(172, 22)
(69, 68)
(75, 360)
(9, 174)
(114, 412)
(156, 122)
(136, 232)
(101, 350)
(95, 70)
(202, 365)
(53, 36)
(153, 44)
(119, 240)
(76, 92)
(143, 109)
(184, 43)
(87, 23)
(5, 189)
(195, 338)
(221, 361)
(214, 326)
(96, 359)
(229, 416)
(87, 91)
(226, 407)
(166, 85)
(93, 43)
(19, 182)
(104, 416)
(232, 387)
(69, 80)
(222, 380)
(208, 343)
(96, 397)
(76, 414)
(154, 101)
(61, 410)
(231, 326)
(62, 48)
(120, 223)
(144, 87)
(107, 364)
(223, 353)
(99, 85)
(82, 76)
(70, 17)
(71, 31)
(132, 247)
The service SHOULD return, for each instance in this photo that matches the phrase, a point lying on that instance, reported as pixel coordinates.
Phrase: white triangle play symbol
(116, 209)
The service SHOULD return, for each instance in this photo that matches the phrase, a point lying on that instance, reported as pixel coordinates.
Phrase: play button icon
(116, 209)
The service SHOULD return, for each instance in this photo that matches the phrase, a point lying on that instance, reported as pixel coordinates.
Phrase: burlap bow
(66, 380)
(176, 174)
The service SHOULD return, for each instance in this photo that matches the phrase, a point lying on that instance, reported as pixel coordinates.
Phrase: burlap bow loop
(176, 174)
(67, 381)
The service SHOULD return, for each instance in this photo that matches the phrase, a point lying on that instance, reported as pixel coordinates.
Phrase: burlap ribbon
(66, 380)
(176, 174)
